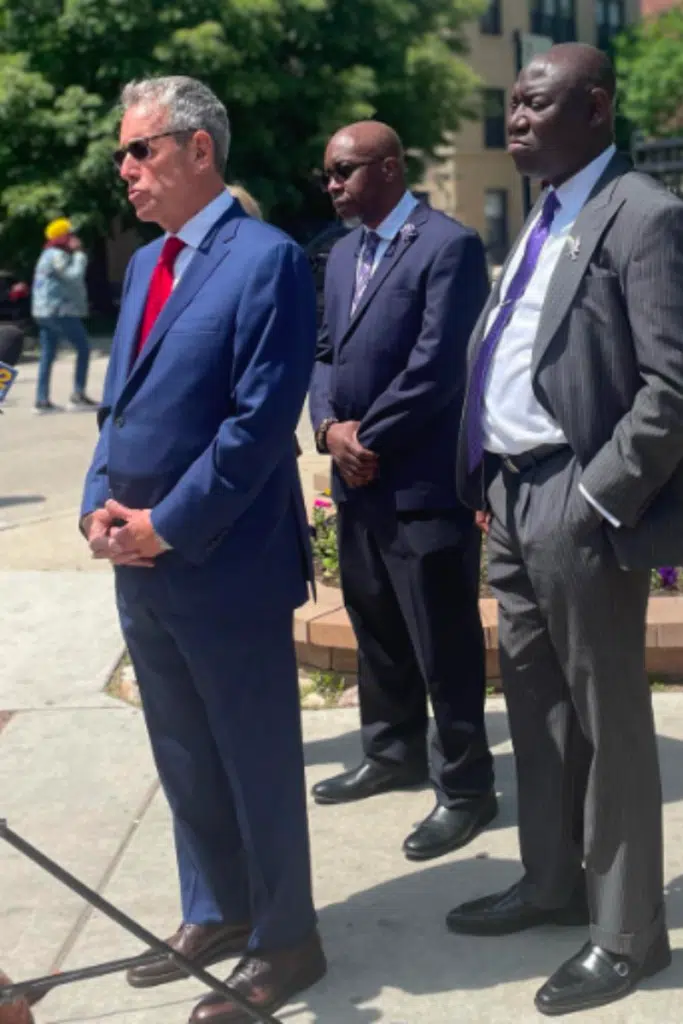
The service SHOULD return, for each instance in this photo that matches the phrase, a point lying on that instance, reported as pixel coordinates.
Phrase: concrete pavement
(76, 778)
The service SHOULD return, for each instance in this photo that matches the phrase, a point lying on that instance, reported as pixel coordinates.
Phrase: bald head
(581, 65)
(370, 139)
(365, 171)
(562, 111)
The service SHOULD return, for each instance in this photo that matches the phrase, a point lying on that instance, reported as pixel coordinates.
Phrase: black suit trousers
(410, 583)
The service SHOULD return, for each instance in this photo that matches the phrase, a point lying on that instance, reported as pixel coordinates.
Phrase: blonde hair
(246, 200)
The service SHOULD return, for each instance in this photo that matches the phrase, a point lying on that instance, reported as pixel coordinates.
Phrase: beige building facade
(475, 180)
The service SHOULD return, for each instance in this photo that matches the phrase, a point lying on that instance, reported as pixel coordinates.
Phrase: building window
(496, 217)
(490, 22)
(494, 118)
(554, 18)
(610, 21)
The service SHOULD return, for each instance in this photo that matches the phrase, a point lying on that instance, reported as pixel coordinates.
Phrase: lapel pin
(408, 232)
(574, 245)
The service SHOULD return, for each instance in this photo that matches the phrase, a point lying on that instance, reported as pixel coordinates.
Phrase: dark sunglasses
(342, 171)
(140, 149)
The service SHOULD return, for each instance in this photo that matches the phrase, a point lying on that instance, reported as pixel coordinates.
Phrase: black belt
(518, 463)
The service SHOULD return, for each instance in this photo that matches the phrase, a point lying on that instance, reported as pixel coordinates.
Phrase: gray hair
(190, 105)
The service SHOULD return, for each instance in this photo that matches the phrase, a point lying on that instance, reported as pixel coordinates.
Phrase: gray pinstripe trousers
(572, 648)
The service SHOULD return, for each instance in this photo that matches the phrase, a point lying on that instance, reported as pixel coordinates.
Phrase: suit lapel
(347, 272)
(588, 229)
(392, 257)
(207, 257)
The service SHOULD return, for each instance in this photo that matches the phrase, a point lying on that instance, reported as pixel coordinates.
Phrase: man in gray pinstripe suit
(572, 450)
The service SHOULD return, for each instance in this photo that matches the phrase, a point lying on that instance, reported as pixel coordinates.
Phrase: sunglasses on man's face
(140, 149)
(342, 170)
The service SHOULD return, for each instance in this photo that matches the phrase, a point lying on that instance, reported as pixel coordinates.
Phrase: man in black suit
(402, 294)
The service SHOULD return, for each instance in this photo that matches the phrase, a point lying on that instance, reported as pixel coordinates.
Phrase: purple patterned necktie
(517, 287)
(364, 268)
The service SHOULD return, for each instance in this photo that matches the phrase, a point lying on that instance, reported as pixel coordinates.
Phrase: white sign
(531, 46)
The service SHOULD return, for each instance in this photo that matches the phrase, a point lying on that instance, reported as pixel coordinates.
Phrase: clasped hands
(358, 466)
(135, 543)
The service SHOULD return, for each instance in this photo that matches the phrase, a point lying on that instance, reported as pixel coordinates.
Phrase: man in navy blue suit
(402, 294)
(193, 495)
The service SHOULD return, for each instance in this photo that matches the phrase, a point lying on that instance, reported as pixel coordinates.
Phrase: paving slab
(382, 918)
(73, 783)
(59, 637)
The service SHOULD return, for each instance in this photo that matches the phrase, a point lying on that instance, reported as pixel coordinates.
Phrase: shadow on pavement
(393, 936)
(345, 750)
(21, 499)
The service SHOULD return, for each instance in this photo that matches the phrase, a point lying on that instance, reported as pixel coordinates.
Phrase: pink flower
(322, 503)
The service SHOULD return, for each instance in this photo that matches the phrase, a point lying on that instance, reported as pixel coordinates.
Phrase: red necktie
(160, 287)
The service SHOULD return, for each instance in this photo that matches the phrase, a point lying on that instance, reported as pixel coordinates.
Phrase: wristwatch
(321, 435)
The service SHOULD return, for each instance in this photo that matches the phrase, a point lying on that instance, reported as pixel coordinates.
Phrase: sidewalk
(76, 779)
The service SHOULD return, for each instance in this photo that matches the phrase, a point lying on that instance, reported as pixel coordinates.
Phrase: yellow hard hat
(58, 228)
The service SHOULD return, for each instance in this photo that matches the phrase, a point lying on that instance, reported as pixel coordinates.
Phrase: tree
(289, 71)
(649, 63)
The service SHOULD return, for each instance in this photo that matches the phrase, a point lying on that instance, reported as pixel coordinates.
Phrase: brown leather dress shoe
(267, 980)
(203, 944)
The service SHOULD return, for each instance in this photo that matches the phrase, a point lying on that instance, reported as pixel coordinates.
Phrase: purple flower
(322, 503)
(668, 576)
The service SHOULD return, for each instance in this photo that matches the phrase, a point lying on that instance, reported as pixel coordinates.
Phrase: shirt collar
(574, 193)
(394, 221)
(194, 231)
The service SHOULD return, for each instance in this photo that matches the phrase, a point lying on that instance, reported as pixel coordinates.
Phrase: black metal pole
(37, 987)
(127, 923)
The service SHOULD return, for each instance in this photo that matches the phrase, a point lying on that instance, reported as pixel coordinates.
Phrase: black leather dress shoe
(448, 829)
(595, 977)
(507, 912)
(369, 779)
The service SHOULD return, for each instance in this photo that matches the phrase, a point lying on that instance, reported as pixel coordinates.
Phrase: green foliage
(289, 71)
(329, 685)
(325, 551)
(649, 63)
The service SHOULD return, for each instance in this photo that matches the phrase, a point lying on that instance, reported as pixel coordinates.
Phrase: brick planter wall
(325, 641)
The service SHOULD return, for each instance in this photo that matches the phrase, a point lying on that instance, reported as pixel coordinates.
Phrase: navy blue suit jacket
(200, 426)
(398, 365)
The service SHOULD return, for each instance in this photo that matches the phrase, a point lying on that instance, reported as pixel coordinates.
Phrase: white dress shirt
(195, 230)
(514, 421)
(391, 225)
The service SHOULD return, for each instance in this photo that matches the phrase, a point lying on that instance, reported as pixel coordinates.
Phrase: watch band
(321, 435)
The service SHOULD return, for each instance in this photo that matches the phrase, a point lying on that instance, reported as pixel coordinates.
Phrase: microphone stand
(36, 987)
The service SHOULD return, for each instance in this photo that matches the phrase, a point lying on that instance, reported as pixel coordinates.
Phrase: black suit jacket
(398, 365)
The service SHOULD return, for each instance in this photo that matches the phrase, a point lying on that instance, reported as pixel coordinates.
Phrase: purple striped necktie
(364, 268)
(516, 289)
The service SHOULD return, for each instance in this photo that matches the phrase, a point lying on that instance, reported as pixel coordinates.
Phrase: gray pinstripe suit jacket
(608, 362)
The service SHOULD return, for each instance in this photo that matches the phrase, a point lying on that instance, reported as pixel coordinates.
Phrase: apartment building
(474, 179)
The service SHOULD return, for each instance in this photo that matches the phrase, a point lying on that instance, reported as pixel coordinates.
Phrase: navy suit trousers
(221, 702)
(410, 584)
